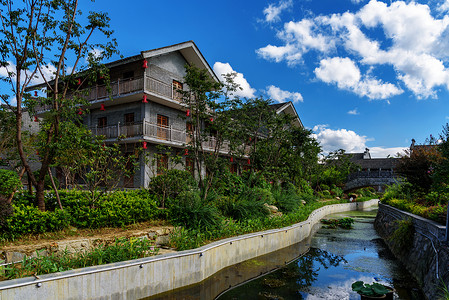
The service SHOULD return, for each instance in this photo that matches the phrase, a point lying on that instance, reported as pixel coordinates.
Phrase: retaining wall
(153, 275)
(427, 258)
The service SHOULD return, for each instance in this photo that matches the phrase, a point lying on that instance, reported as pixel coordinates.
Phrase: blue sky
(361, 73)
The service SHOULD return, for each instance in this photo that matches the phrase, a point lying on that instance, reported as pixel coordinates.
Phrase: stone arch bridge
(378, 179)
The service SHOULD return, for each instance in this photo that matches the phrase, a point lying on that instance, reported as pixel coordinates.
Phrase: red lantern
(188, 112)
(250, 139)
(145, 64)
(80, 111)
(249, 161)
(144, 145)
(211, 120)
(79, 81)
(36, 119)
(102, 106)
(186, 152)
(232, 159)
(144, 99)
(35, 93)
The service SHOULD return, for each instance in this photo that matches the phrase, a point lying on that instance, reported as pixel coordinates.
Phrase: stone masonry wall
(427, 258)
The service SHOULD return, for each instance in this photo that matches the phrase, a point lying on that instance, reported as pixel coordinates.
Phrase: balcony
(123, 87)
(154, 133)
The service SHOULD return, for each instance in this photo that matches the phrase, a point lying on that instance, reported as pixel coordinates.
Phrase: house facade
(144, 106)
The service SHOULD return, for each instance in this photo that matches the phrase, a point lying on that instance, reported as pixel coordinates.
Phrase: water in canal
(321, 267)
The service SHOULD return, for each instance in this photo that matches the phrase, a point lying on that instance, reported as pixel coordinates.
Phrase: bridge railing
(372, 174)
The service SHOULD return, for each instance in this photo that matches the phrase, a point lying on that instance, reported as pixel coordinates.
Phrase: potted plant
(372, 291)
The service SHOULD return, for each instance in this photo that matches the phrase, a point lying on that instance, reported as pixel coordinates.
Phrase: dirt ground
(31, 243)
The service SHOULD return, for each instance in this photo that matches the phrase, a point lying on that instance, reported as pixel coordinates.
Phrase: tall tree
(48, 41)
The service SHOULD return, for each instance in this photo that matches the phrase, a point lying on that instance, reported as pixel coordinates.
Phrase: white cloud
(225, 68)
(444, 7)
(413, 42)
(299, 37)
(273, 11)
(332, 140)
(382, 152)
(279, 95)
(350, 141)
(353, 112)
(47, 71)
(346, 75)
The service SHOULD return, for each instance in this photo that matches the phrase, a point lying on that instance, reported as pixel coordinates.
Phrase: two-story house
(145, 109)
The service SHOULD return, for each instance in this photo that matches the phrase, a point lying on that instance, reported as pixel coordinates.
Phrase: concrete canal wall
(153, 275)
(427, 257)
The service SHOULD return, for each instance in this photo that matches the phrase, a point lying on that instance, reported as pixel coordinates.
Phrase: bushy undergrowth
(121, 250)
(436, 213)
(114, 209)
(183, 238)
(188, 210)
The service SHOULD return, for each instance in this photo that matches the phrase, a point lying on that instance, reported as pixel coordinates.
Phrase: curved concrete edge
(154, 275)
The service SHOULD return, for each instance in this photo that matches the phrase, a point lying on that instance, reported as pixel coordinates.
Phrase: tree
(43, 40)
(208, 105)
(417, 166)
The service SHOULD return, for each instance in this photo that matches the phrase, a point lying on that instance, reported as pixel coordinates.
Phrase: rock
(74, 246)
(14, 256)
(338, 198)
(162, 240)
(271, 208)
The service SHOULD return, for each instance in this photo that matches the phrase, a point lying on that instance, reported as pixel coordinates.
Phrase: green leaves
(374, 289)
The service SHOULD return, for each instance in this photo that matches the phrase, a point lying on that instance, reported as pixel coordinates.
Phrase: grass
(121, 250)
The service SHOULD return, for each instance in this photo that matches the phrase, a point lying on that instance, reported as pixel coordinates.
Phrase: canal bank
(337, 258)
(154, 275)
(425, 254)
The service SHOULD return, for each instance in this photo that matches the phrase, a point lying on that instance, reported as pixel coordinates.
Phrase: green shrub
(171, 184)
(9, 182)
(305, 188)
(399, 191)
(190, 211)
(114, 209)
(29, 219)
(402, 236)
(243, 208)
(337, 192)
(286, 200)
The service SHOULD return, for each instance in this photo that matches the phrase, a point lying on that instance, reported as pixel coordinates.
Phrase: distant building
(375, 172)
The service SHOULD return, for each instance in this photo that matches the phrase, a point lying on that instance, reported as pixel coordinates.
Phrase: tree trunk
(40, 195)
(54, 188)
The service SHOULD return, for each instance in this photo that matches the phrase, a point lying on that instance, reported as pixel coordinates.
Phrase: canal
(322, 267)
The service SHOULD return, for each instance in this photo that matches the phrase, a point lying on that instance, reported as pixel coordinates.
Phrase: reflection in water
(322, 267)
(336, 259)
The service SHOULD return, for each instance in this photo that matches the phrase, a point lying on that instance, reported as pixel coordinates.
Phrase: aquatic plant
(370, 290)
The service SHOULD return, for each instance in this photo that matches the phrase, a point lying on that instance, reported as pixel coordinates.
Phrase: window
(129, 119)
(190, 166)
(176, 87)
(162, 164)
(102, 122)
(162, 127)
